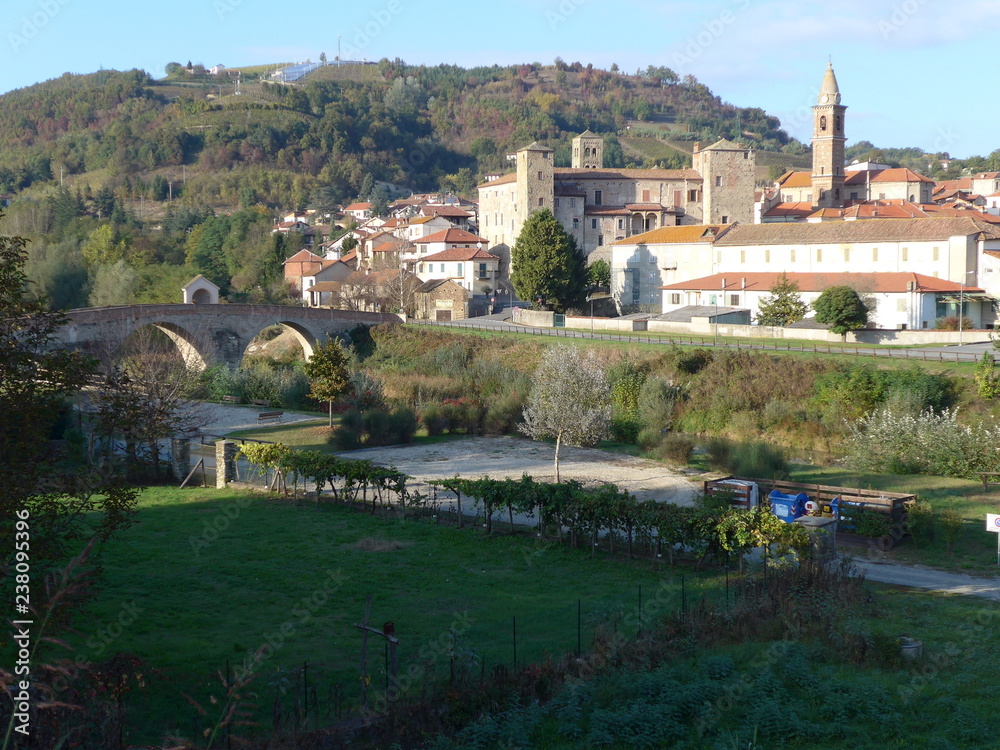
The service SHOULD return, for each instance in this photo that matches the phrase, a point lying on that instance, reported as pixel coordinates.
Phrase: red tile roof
(900, 174)
(795, 180)
(452, 236)
(446, 211)
(358, 207)
(761, 281)
(460, 253)
(801, 209)
(682, 234)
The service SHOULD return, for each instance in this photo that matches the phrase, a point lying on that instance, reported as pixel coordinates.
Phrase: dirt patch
(510, 457)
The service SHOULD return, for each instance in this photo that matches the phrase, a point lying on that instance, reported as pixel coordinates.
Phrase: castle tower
(588, 151)
(728, 175)
(828, 145)
(535, 185)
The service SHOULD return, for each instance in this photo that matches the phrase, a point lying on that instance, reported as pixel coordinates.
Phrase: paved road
(970, 352)
(918, 576)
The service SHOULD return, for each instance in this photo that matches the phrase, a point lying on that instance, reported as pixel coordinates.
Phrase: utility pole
(170, 191)
(60, 176)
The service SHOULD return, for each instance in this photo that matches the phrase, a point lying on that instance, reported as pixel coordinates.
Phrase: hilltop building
(599, 205)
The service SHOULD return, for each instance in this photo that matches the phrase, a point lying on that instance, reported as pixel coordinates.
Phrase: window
(600, 240)
(692, 196)
(675, 298)
(767, 256)
(421, 268)
(822, 122)
(743, 256)
(734, 300)
(934, 254)
(645, 196)
(819, 255)
(621, 223)
(598, 197)
(539, 174)
(905, 254)
(838, 123)
(545, 155)
(725, 219)
(572, 202)
(576, 223)
(792, 259)
(854, 195)
(875, 255)
(541, 201)
(901, 304)
(461, 269)
(593, 223)
(718, 180)
(556, 202)
(847, 255)
(482, 270)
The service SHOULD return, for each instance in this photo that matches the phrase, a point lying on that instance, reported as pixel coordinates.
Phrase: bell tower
(828, 144)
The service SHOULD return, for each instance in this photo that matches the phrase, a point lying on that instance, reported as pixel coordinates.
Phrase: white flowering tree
(570, 400)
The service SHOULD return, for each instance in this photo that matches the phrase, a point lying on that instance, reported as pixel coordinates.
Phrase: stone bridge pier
(208, 334)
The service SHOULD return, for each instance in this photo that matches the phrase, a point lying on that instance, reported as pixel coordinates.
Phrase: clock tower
(828, 145)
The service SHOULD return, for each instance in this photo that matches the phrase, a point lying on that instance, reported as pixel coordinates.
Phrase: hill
(415, 126)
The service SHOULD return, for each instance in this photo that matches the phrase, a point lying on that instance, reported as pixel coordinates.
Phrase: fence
(923, 355)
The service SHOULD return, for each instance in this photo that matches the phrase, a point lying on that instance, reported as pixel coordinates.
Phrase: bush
(503, 415)
(375, 427)
(366, 391)
(950, 323)
(921, 521)
(657, 400)
(751, 459)
(402, 426)
(676, 449)
(436, 422)
(649, 438)
(625, 430)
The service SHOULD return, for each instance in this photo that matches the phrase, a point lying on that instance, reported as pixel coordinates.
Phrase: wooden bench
(269, 416)
(232, 400)
(989, 477)
(260, 402)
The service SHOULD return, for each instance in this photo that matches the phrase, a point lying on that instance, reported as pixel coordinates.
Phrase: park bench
(269, 416)
(260, 402)
(232, 400)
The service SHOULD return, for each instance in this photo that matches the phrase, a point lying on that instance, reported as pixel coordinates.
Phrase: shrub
(625, 429)
(402, 426)
(503, 415)
(366, 391)
(750, 459)
(676, 449)
(692, 361)
(950, 323)
(649, 438)
(436, 422)
(657, 400)
(921, 521)
(377, 427)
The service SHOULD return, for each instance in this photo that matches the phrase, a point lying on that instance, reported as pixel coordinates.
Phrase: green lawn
(202, 600)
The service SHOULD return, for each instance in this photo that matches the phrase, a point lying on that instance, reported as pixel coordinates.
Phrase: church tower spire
(828, 144)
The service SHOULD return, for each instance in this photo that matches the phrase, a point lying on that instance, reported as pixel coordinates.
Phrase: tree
(328, 374)
(783, 306)
(380, 201)
(66, 503)
(842, 308)
(546, 264)
(114, 284)
(570, 400)
(599, 274)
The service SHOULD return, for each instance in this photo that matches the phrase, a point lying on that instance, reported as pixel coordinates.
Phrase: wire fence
(925, 355)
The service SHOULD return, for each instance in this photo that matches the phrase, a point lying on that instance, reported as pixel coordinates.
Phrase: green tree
(114, 284)
(842, 308)
(328, 373)
(570, 400)
(103, 247)
(599, 274)
(783, 306)
(546, 264)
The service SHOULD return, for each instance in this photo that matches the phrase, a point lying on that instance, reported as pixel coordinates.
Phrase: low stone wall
(538, 318)
(704, 327)
(606, 324)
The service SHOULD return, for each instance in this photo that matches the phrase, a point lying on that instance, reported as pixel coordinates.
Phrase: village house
(473, 268)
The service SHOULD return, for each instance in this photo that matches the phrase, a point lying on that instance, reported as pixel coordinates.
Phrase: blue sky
(912, 72)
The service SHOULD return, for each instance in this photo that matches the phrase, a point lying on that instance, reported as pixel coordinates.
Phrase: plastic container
(788, 507)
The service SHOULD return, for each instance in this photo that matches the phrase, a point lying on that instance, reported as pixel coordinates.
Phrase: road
(920, 577)
(970, 352)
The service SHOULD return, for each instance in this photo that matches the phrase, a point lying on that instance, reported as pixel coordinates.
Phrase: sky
(912, 72)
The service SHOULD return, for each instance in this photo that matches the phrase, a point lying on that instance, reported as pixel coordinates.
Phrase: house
(303, 265)
(471, 267)
(455, 215)
(359, 211)
(899, 300)
(316, 285)
(642, 264)
(200, 291)
(389, 290)
(442, 300)
(217, 70)
(423, 226)
(902, 184)
(298, 227)
(448, 239)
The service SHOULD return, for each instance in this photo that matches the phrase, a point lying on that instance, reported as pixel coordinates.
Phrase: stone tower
(535, 184)
(588, 151)
(728, 178)
(828, 145)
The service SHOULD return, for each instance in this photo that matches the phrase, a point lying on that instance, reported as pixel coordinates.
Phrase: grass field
(292, 579)
(203, 599)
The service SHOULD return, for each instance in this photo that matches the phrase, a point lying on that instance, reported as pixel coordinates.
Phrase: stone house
(441, 300)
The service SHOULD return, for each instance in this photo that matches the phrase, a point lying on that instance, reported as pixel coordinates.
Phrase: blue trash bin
(788, 507)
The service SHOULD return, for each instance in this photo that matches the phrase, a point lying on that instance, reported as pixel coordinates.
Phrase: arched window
(822, 122)
(839, 122)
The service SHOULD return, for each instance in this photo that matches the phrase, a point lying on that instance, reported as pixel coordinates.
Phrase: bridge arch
(306, 339)
(195, 351)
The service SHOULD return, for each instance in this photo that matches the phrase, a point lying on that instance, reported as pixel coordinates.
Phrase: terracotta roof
(325, 286)
(875, 230)
(453, 235)
(304, 256)
(421, 220)
(682, 234)
(460, 253)
(900, 174)
(647, 207)
(759, 281)
(504, 180)
(801, 209)
(567, 173)
(432, 284)
(453, 211)
(606, 211)
(358, 207)
(964, 183)
(724, 145)
(796, 180)
(827, 213)
(350, 257)
(885, 209)
(988, 176)
(393, 247)
(857, 178)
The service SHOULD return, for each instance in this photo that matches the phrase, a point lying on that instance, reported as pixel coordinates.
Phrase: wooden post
(364, 653)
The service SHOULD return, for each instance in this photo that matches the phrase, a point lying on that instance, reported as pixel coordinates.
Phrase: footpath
(920, 577)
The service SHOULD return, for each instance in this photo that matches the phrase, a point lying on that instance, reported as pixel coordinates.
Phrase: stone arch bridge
(208, 333)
